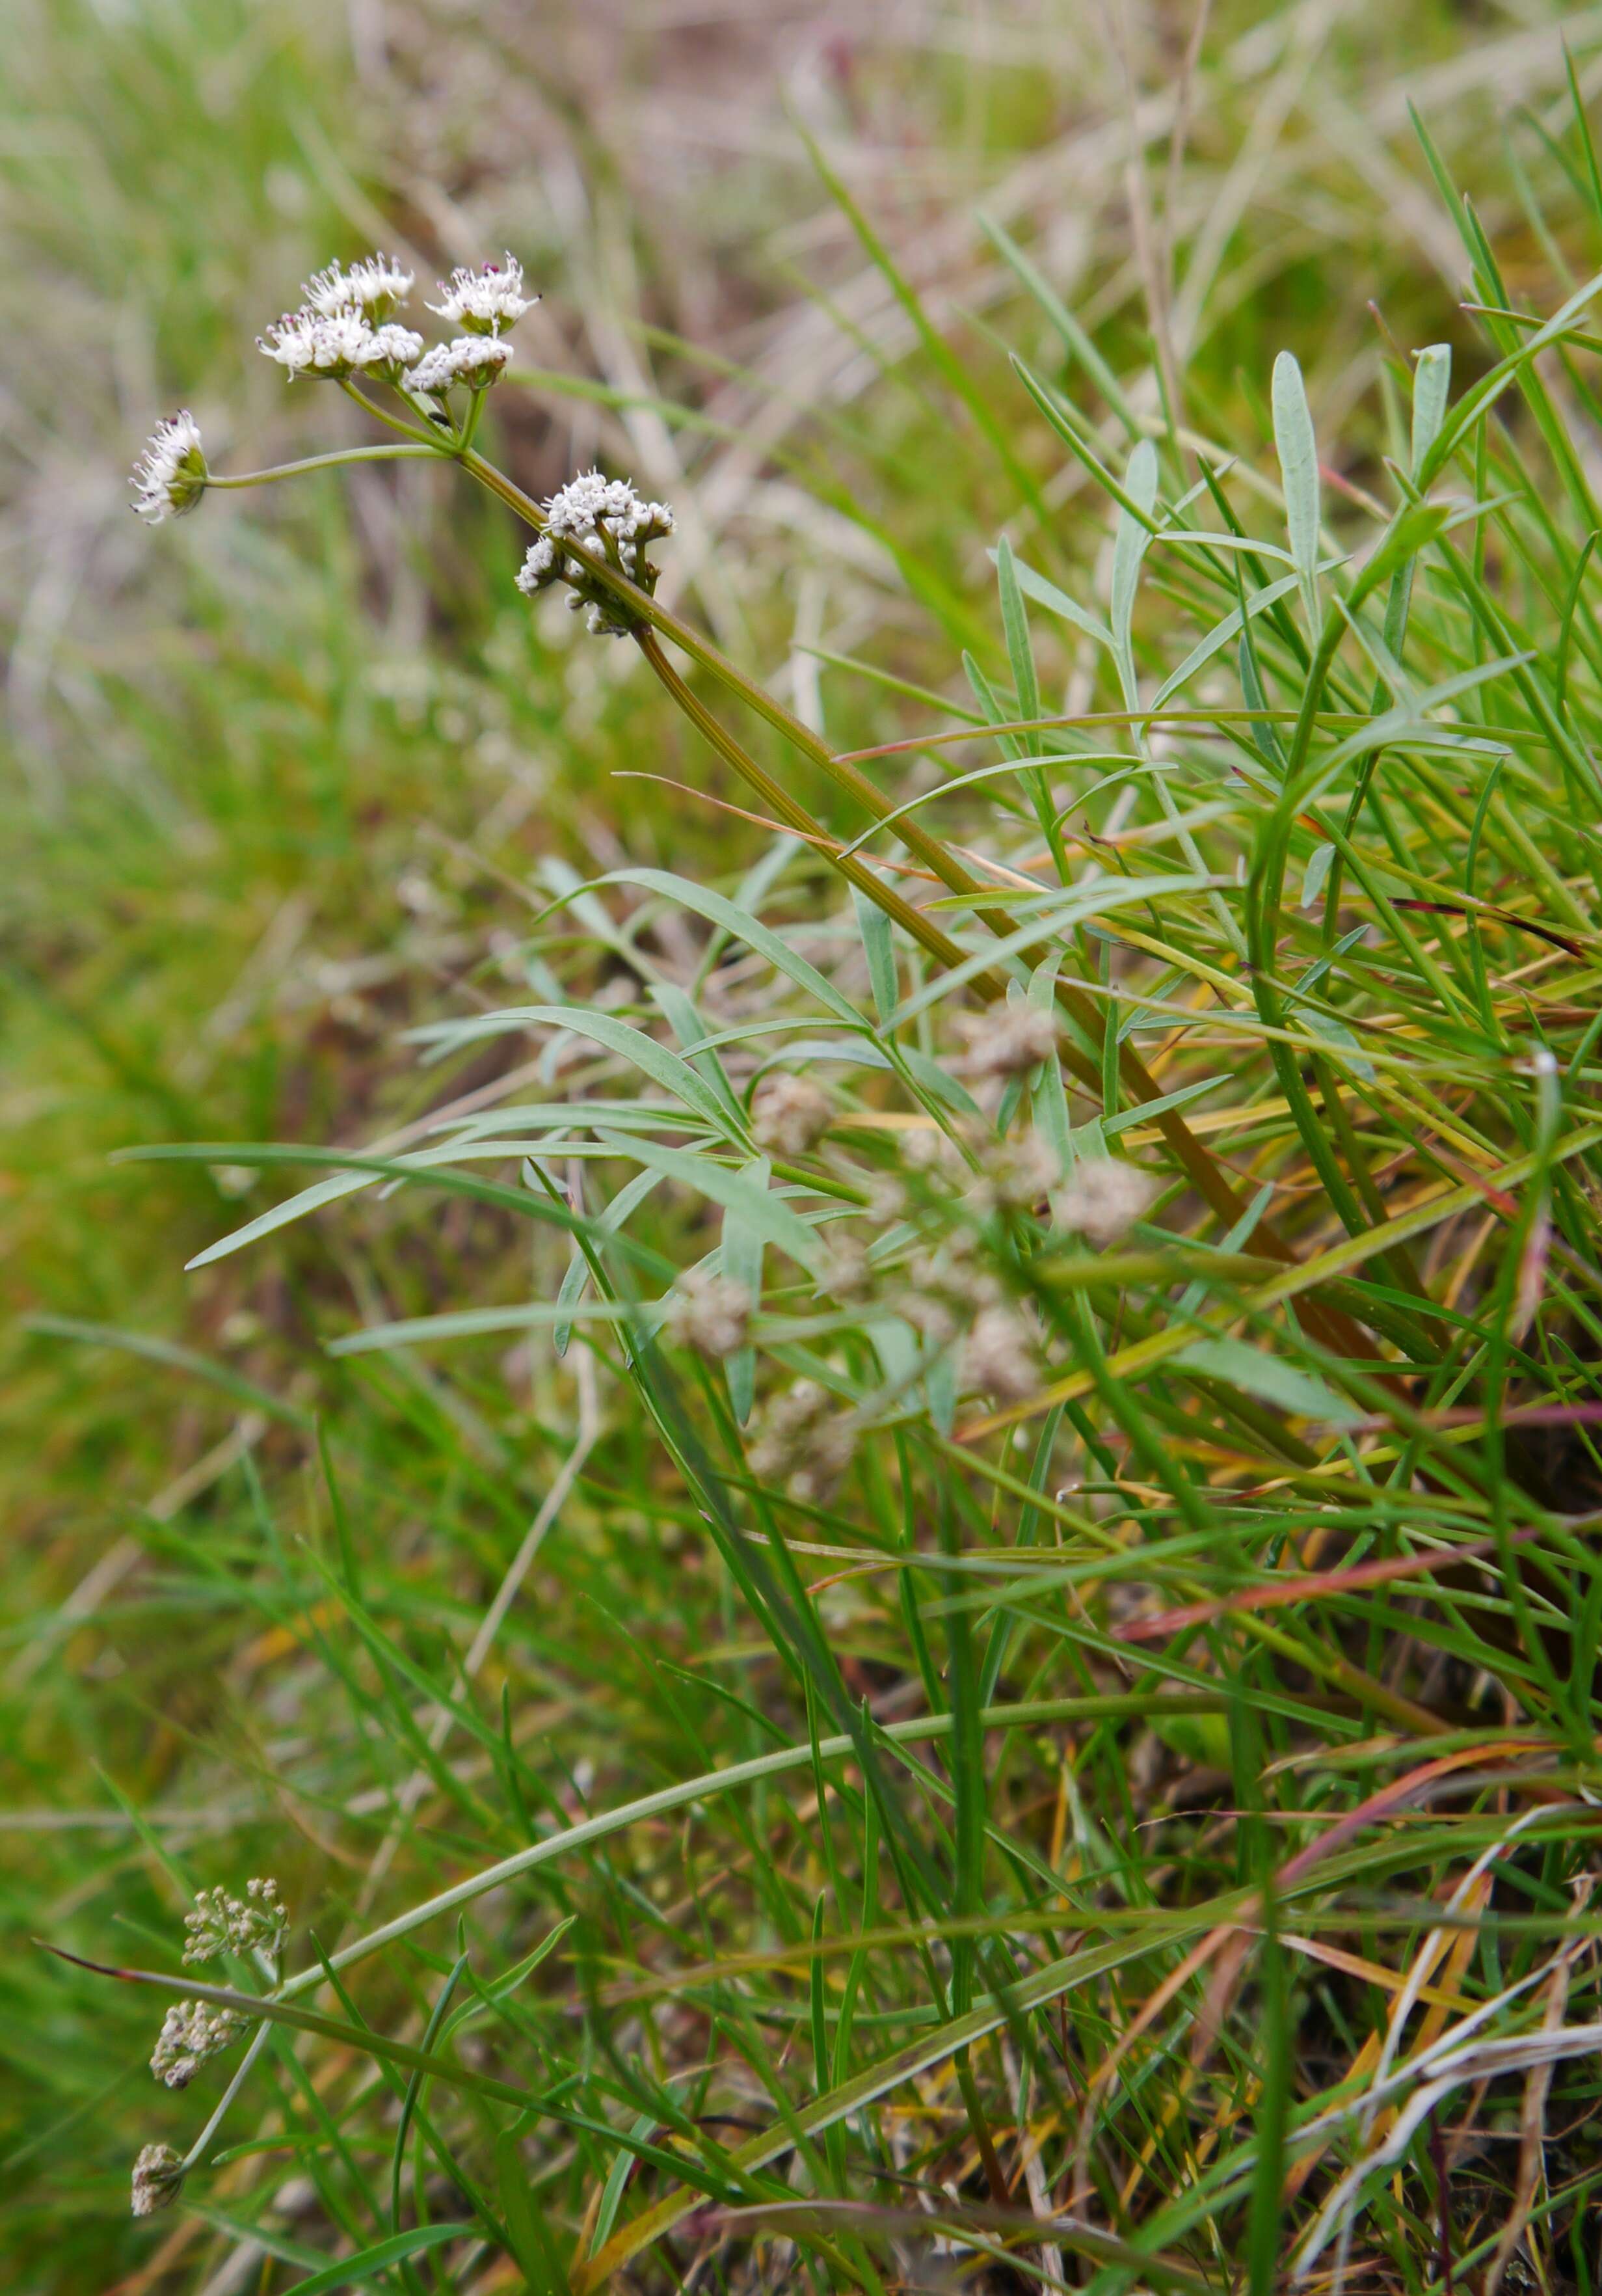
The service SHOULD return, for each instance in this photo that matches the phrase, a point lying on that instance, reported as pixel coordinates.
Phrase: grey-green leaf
(1299, 469)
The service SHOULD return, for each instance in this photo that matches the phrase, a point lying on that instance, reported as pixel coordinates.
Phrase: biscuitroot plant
(1127, 1386)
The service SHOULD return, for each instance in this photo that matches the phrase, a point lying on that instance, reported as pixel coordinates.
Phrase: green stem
(321, 463)
(389, 422)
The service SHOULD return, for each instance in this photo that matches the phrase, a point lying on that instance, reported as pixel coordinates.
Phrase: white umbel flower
(475, 360)
(170, 476)
(192, 2032)
(326, 346)
(257, 1922)
(375, 286)
(389, 352)
(593, 518)
(158, 2179)
(483, 302)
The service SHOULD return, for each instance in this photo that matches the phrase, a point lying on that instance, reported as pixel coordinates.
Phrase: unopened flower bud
(158, 2179)
(192, 2033)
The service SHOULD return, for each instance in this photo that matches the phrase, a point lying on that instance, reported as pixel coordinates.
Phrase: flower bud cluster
(257, 1922)
(193, 2032)
(594, 519)
(158, 2179)
(170, 476)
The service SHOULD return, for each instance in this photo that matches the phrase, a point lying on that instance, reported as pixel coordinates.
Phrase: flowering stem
(797, 817)
(321, 463)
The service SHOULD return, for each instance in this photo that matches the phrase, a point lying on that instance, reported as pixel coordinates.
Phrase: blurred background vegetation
(282, 780)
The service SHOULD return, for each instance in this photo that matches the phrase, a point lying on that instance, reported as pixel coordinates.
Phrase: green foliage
(1066, 1746)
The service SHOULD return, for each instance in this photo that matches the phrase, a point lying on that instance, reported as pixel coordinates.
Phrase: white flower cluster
(343, 327)
(192, 2032)
(158, 2179)
(329, 345)
(170, 476)
(257, 1922)
(476, 360)
(375, 286)
(594, 519)
(483, 302)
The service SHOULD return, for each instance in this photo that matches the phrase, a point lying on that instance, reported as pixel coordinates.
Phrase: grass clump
(1012, 1698)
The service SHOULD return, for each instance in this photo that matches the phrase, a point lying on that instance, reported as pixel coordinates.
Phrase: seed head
(170, 476)
(257, 1922)
(193, 2032)
(1103, 1197)
(789, 1114)
(158, 2179)
(324, 345)
(375, 286)
(483, 302)
(709, 1313)
(475, 360)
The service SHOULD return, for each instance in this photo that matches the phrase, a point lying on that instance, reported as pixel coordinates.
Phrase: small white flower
(483, 302)
(158, 2179)
(475, 360)
(192, 2032)
(374, 286)
(389, 352)
(594, 518)
(789, 1114)
(709, 1313)
(1103, 1197)
(326, 346)
(170, 476)
(257, 1922)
